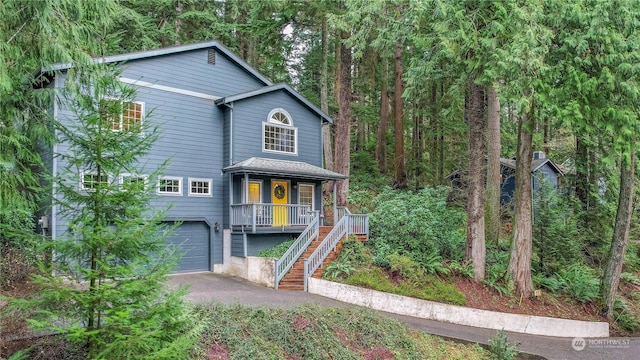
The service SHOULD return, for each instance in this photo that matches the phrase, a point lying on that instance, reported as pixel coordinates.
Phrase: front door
(280, 196)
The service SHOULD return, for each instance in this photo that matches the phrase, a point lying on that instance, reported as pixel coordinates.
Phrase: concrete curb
(526, 324)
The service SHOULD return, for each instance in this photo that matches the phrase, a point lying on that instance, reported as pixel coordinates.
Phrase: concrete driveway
(206, 287)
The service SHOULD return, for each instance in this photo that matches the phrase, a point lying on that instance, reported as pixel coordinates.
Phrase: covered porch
(276, 196)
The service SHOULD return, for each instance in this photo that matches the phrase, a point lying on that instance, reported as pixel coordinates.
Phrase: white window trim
(210, 181)
(313, 193)
(280, 110)
(81, 180)
(142, 112)
(180, 185)
(295, 138)
(243, 191)
(142, 176)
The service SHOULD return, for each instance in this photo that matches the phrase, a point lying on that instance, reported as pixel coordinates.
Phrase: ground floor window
(305, 194)
(255, 192)
(170, 185)
(200, 187)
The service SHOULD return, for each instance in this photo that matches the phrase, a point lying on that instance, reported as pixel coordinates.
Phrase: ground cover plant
(312, 332)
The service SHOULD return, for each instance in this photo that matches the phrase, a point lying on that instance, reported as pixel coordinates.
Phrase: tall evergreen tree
(115, 244)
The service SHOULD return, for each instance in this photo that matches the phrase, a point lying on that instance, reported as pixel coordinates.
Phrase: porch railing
(347, 225)
(262, 215)
(286, 261)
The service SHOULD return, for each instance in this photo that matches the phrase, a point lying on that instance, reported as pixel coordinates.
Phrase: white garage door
(193, 239)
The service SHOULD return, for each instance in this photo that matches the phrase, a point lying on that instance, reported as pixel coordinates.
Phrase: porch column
(335, 203)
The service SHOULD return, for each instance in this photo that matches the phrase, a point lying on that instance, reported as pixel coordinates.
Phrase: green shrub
(461, 268)
(630, 278)
(354, 251)
(278, 250)
(556, 235)
(624, 316)
(406, 267)
(497, 265)
(373, 278)
(551, 283)
(426, 288)
(416, 223)
(338, 270)
(500, 347)
(580, 282)
(381, 251)
(632, 258)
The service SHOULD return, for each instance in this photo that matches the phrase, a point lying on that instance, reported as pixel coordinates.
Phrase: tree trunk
(475, 250)
(401, 173)
(179, 10)
(611, 277)
(418, 151)
(381, 140)
(324, 103)
(343, 121)
(493, 166)
(521, 248)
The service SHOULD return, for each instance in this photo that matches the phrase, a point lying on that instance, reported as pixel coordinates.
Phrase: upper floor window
(279, 133)
(131, 114)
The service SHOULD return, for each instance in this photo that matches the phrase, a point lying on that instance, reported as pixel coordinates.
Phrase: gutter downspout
(230, 106)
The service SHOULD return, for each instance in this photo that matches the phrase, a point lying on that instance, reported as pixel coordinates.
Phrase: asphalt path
(210, 287)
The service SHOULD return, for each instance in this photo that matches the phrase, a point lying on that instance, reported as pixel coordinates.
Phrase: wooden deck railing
(256, 215)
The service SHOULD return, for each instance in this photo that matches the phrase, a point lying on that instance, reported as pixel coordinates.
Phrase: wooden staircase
(294, 279)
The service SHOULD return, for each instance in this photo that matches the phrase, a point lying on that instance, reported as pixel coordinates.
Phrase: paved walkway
(205, 287)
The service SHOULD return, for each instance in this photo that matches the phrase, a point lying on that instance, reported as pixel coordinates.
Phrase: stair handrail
(286, 261)
(313, 262)
(347, 225)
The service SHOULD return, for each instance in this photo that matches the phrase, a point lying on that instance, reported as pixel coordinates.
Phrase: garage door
(193, 239)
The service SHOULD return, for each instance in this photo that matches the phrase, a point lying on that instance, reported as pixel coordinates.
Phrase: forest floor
(479, 296)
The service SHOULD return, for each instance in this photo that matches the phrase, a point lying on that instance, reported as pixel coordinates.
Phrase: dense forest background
(417, 89)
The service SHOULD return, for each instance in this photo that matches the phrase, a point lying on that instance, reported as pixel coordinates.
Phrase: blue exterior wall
(195, 138)
(547, 173)
(237, 244)
(190, 71)
(508, 184)
(191, 130)
(248, 116)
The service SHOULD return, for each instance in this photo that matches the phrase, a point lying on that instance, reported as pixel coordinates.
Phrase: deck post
(335, 203)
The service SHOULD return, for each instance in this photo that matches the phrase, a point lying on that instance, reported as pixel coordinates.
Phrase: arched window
(279, 133)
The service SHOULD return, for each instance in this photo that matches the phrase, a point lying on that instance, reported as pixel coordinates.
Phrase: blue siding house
(245, 156)
(542, 169)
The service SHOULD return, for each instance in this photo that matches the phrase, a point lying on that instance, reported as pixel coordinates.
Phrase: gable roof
(167, 51)
(272, 88)
(536, 164)
(289, 168)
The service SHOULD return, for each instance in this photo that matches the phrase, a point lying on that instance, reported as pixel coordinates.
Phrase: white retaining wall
(403, 305)
(259, 270)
